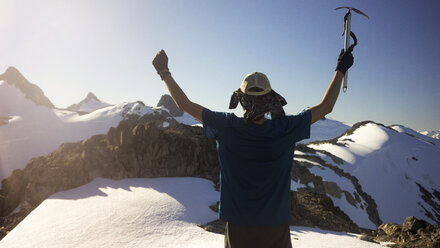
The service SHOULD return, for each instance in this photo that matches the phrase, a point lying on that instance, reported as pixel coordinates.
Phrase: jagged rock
(12, 191)
(308, 208)
(132, 149)
(414, 233)
(168, 102)
(412, 224)
(31, 91)
(317, 210)
(216, 226)
(332, 189)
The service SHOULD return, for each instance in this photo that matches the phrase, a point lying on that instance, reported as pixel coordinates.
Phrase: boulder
(413, 224)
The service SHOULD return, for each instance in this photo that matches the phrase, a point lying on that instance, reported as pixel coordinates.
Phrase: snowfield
(152, 212)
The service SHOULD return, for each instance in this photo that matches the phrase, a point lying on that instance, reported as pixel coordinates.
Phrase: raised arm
(345, 61)
(160, 62)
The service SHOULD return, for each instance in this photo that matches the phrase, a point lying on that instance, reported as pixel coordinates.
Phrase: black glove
(160, 62)
(345, 60)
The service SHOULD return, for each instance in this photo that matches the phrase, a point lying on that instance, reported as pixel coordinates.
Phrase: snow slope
(325, 129)
(37, 130)
(154, 212)
(420, 135)
(389, 166)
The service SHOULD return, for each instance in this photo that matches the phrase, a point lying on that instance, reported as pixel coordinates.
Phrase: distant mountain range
(432, 134)
(372, 172)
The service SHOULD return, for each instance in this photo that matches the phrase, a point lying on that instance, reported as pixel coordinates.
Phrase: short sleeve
(214, 123)
(300, 125)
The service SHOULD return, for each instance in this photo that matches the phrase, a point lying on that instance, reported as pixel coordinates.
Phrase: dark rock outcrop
(168, 102)
(413, 233)
(131, 150)
(317, 210)
(310, 209)
(31, 91)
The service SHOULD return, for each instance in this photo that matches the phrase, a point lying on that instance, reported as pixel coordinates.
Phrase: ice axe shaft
(346, 45)
(347, 33)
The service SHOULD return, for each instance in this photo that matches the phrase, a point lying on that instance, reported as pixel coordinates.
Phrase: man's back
(255, 164)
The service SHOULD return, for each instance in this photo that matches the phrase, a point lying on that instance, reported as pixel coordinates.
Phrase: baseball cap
(255, 80)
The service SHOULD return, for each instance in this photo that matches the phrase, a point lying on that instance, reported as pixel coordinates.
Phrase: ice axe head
(354, 9)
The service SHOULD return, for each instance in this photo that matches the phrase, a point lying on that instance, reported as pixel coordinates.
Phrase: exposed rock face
(302, 174)
(168, 102)
(13, 77)
(413, 233)
(314, 209)
(130, 150)
(308, 208)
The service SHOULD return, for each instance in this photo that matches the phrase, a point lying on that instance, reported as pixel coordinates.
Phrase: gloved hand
(160, 62)
(345, 60)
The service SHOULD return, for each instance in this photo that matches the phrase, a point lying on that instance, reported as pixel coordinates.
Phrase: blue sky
(70, 48)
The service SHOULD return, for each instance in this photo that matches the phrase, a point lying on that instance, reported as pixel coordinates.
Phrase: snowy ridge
(420, 135)
(326, 129)
(154, 212)
(32, 130)
(394, 168)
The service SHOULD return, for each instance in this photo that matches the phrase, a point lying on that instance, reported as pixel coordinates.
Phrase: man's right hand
(160, 62)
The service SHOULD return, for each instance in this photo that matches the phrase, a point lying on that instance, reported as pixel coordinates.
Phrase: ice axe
(347, 33)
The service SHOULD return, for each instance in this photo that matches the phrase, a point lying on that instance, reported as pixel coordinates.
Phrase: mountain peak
(168, 102)
(88, 104)
(91, 96)
(31, 91)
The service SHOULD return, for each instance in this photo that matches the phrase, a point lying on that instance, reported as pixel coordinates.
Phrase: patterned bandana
(256, 106)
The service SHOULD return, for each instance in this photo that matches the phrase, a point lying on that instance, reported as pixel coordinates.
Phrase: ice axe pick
(347, 33)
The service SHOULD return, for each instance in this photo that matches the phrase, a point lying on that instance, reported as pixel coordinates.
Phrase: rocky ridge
(413, 233)
(13, 77)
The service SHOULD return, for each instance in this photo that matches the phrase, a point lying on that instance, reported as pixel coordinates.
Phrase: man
(256, 153)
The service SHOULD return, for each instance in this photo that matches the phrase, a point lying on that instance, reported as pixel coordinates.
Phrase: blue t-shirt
(255, 165)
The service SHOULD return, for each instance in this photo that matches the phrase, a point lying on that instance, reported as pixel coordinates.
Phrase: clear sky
(70, 48)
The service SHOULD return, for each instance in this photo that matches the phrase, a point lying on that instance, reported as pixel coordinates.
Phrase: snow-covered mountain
(88, 104)
(152, 212)
(30, 91)
(374, 174)
(28, 129)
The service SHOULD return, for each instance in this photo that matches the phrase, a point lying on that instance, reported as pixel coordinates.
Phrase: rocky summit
(413, 233)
